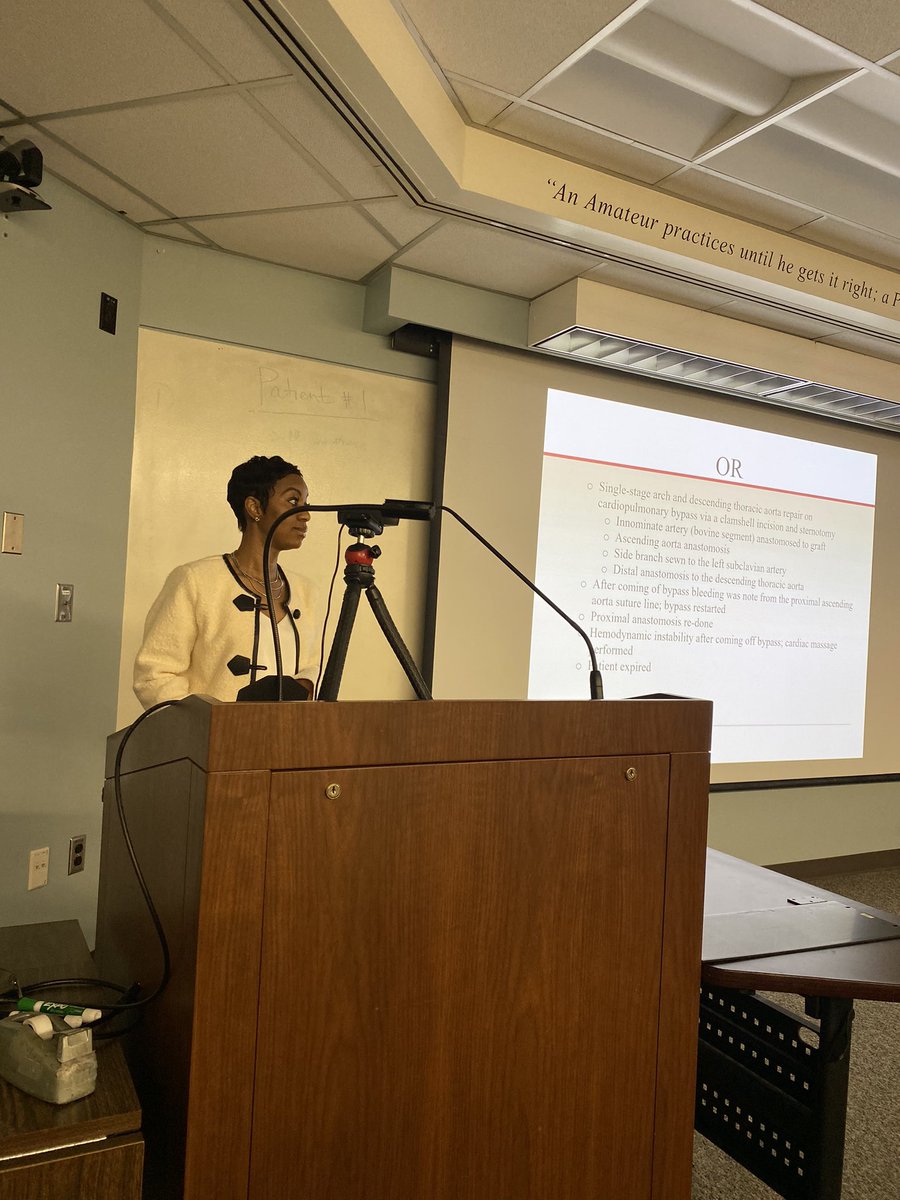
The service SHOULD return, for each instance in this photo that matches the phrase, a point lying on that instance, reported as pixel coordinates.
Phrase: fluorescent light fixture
(720, 376)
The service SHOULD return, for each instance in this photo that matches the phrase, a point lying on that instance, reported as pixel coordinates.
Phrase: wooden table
(772, 1080)
(89, 1149)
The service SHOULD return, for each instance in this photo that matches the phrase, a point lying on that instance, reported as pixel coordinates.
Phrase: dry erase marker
(26, 1004)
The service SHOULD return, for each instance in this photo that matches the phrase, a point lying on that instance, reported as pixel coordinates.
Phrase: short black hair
(256, 477)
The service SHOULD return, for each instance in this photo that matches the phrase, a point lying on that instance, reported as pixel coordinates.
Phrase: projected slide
(710, 561)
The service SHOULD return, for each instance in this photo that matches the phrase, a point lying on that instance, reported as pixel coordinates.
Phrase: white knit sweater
(194, 630)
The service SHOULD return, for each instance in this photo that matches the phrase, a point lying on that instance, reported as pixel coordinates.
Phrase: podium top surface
(304, 736)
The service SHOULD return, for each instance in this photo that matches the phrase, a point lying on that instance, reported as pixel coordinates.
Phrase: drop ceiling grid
(336, 240)
(62, 161)
(125, 51)
(401, 219)
(198, 154)
(813, 175)
(179, 231)
(774, 44)
(789, 51)
(871, 30)
(762, 205)
(686, 57)
(876, 92)
(231, 35)
(516, 45)
(635, 104)
(839, 125)
(307, 117)
(494, 259)
(206, 164)
(481, 103)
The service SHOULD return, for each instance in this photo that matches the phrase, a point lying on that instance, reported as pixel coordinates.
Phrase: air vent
(725, 378)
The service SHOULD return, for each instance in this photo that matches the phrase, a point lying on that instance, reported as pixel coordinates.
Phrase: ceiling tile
(706, 187)
(492, 258)
(402, 219)
(232, 36)
(158, 147)
(870, 29)
(480, 105)
(124, 52)
(638, 106)
(815, 176)
(508, 44)
(331, 241)
(541, 127)
(60, 160)
(309, 118)
(790, 51)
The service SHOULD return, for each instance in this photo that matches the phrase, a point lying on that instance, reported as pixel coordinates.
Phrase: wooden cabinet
(445, 949)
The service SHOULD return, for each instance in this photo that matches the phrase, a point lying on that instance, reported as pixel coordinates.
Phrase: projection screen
(708, 547)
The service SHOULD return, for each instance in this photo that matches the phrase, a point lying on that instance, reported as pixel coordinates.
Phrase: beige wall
(797, 824)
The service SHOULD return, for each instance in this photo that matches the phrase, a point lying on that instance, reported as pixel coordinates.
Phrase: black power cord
(337, 567)
(8, 998)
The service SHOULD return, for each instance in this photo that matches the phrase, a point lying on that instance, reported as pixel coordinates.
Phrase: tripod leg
(396, 643)
(331, 679)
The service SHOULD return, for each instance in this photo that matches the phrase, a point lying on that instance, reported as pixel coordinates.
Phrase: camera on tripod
(369, 520)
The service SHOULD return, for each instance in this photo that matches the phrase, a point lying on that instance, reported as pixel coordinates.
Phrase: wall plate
(13, 533)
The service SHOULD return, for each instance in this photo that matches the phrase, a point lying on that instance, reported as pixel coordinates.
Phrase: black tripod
(359, 576)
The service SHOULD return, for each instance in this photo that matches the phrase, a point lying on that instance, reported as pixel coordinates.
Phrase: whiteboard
(358, 437)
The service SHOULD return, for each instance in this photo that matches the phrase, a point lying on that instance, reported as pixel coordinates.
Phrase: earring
(256, 519)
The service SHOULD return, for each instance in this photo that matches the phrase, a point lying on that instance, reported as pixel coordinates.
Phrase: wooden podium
(443, 950)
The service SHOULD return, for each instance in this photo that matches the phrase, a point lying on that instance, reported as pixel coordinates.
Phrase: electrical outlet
(38, 868)
(77, 847)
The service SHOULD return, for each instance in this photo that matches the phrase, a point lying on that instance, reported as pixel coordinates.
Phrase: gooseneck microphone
(596, 679)
(374, 517)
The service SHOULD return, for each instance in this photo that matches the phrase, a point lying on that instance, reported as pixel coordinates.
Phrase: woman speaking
(208, 632)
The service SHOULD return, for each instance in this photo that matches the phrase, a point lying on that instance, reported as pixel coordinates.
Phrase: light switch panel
(13, 533)
(65, 594)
